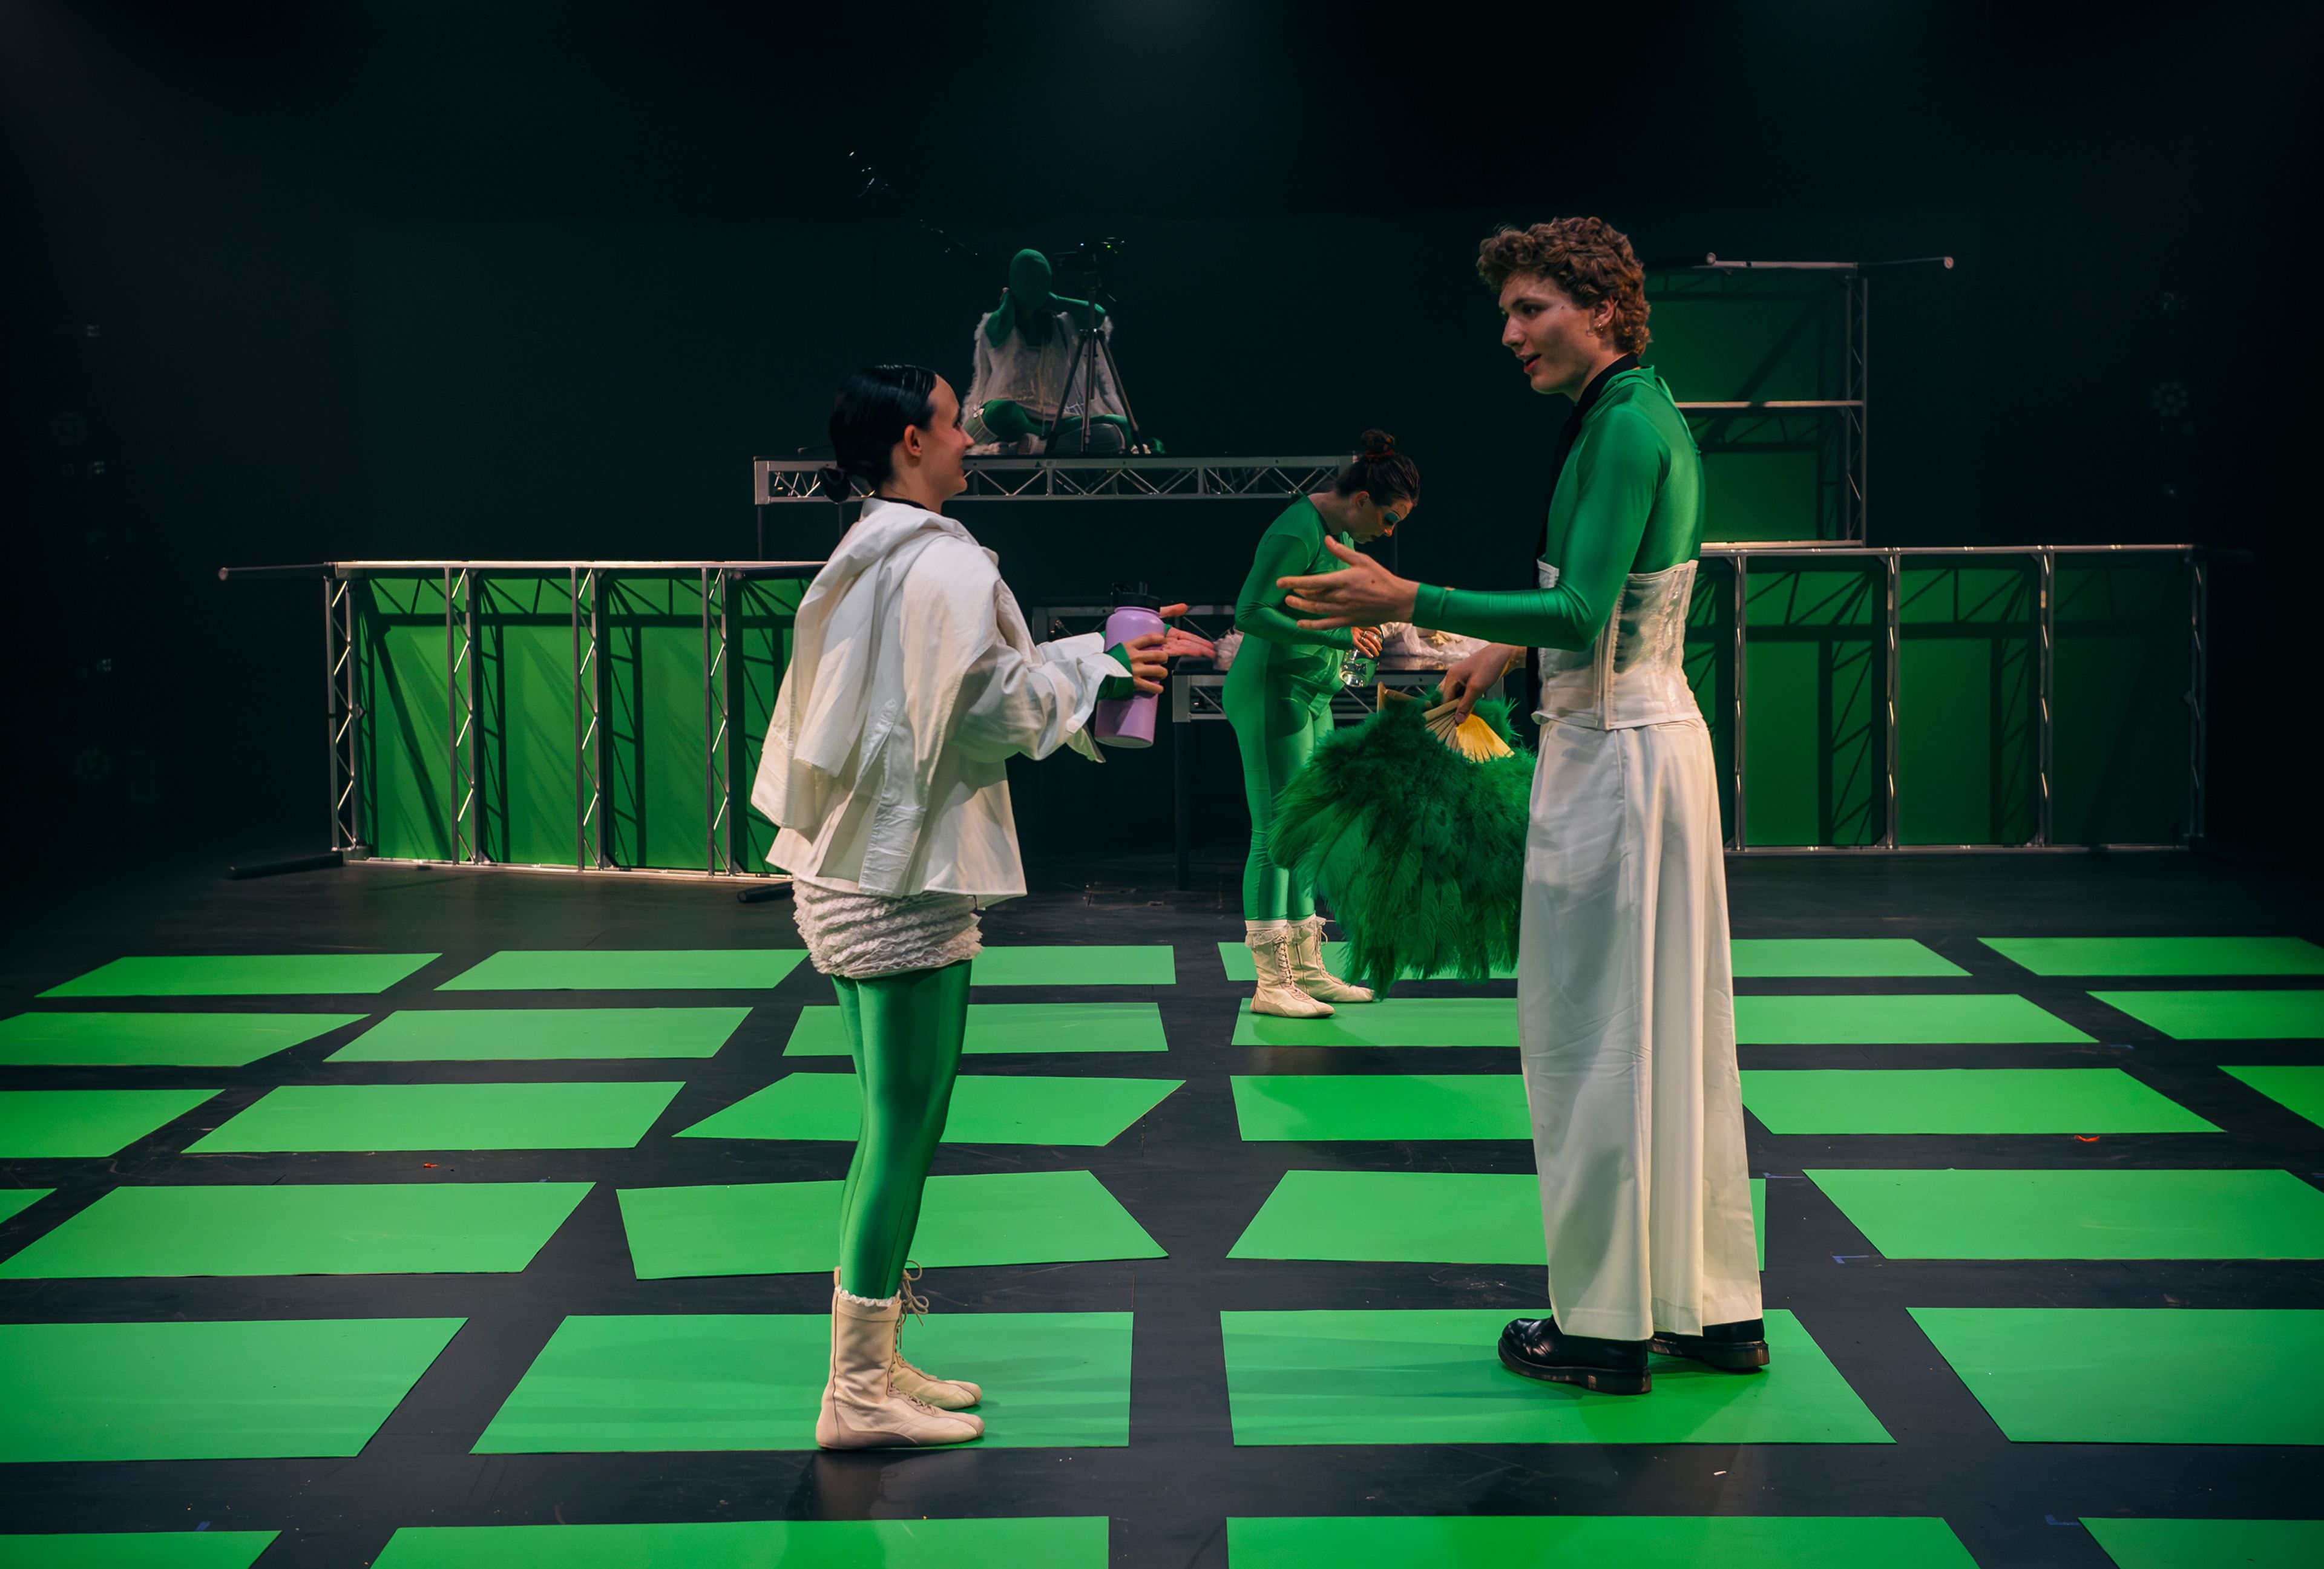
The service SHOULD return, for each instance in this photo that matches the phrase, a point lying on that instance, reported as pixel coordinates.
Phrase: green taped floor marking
(1056, 1543)
(303, 1229)
(2018, 1100)
(205, 1389)
(157, 1039)
(14, 1201)
(1393, 1021)
(1766, 958)
(244, 975)
(1564, 1541)
(1236, 958)
(2139, 1375)
(2299, 1089)
(2161, 955)
(2082, 1215)
(1095, 965)
(542, 1034)
(629, 970)
(753, 1380)
(986, 1109)
(996, 1027)
(792, 1228)
(2208, 1544)
(52, 1124)
(136, 1550)
(1274, 1107)
(430, 1117)
(1431, 1377)
(1898, 1020)
(2223, 1015)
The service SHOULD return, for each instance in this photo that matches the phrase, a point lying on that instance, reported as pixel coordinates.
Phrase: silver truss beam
(779, 481)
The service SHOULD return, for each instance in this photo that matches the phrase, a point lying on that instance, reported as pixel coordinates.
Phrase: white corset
(1635, 674)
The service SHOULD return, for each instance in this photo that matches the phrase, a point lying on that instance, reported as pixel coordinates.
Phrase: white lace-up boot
(1270, 944)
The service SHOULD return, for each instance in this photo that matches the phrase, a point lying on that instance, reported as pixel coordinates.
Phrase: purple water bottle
(1130, 721)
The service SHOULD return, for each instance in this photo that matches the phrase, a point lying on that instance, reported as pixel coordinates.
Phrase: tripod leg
(1113, 373)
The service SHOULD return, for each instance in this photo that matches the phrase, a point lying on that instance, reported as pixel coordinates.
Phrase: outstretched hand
(1363, 594)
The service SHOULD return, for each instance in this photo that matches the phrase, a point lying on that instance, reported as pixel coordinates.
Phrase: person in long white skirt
(1625, 989)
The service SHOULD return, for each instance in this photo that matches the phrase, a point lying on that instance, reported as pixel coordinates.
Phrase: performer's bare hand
(1363, 593)
(1367, 640)
(1178, 643)
(1147, 665)
(1477, 676)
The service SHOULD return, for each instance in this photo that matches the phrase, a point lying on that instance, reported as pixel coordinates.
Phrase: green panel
(526, 782)
(986, 1109)
(1935, 1019)
(1460, 1217)
(1280, 1107)
(14, 1201)
(158, 1040)
(1967, 683)
(1813, 744)
(1730, 336)
(2017, 1100)
(244, 975)
(752, 1381)
(1767, 957)
(2082, 1215)
(2119, 772)
(999, 1028)
(1765, 479)
(136, 1550)
(407, 718)
(52, 1124)
(1710, 658)
(1565, 1541)
(431, 1117)
(760, 614)
(1090, 965)
(1396, 1021)
(629, 970)
(2161, 955)
(2139, 1375)
(544, 1034)
(656, 775)
(2224, 1015)
(1073, 1542)
(2208, 1544)
(2297, 1089)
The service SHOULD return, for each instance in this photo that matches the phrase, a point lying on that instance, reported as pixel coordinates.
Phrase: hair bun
(1377, 445)
(837, 483)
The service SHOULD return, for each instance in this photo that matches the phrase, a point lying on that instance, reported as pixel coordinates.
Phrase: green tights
(905, 1031)
(1277, 724)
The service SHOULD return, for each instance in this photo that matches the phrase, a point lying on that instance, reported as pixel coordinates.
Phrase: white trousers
(1626, 1000)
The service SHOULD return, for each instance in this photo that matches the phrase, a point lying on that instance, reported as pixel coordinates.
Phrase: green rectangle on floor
(1878, 1020)
(2297, 1089)
(1069, 1542)
(752, 1381)
(555, 1116)
(2161, 955)
(542, 1034)
(136, 1550)
(998, 1027)
(792, 1228)
(1460, 1217)
(1278, 1107)
(1766, 958)
(1432, 1378)
(629, 970)
(205, 1389)
(244, 975)
(1392, 1021)
(2223, 1015)
(157, 1039)
(1564, 1541)
(62, 1124)
(2082, 1215)
(986, 1109)
(1236, 958)
(14, 1201)
(303, 1229)
(2139, 1375)
(1093, 965)
(2210, 1543)
(2018, 1100)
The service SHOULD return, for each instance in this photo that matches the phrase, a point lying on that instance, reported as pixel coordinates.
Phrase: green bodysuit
(1629, 499)
(1278, 696)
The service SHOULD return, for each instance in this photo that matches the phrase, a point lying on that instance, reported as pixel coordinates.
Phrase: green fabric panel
(14, 1201)
(1813, 748)
(1762, 958)
(1430, 1377)
(1898, 1020)
(656, 767)
(401, 662)
(1061, 1543)
(752, 1381)
(2018, 1100)
(1968, 673)
(1138, 964)
(792, 1228)
(1236, 958)
(999, 1028)
(526, 784)
(760, 614)
(432, 1117)
(2299, 1089)
(1270, 1107)
(2223, 1015)
(2208, 1544)
(1395, 1022)
(2161, 955)
(2119, 737)
(201, 1390)
(986, 1109)
(1461, 1217)
(544, 1034)
(303, 1229)
(245, 974)
(2082, 1215)
(55, 1124)
(158, 1040)
(2139, 1375)
(1564, 1541)
(136, 1550)
(629, 970)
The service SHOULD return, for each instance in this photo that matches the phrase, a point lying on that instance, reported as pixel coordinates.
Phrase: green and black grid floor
(441, 1220)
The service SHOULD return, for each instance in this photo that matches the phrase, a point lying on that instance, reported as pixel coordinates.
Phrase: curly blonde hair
(1587, 258)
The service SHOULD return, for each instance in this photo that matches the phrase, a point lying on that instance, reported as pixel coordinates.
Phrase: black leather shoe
(1740, 1347)
(1538, 1349)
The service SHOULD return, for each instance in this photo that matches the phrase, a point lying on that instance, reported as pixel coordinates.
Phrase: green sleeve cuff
(1428, 606)
(1115, 688)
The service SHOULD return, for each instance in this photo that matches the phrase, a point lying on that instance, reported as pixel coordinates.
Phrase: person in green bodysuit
(1279, 700)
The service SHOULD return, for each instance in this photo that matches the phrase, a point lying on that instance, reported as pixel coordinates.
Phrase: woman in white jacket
(912, 679)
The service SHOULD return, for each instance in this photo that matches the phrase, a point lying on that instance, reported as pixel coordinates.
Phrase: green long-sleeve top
(1292, 547)
(1629, 499)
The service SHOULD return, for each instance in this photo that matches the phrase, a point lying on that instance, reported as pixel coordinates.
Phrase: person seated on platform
(912, 680)
(1278, 700)
(1024, 348)
(1624, 986)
